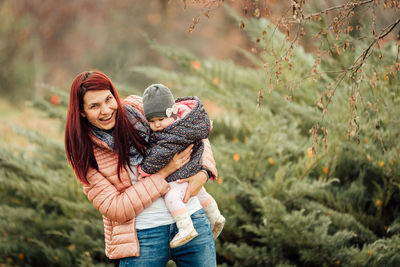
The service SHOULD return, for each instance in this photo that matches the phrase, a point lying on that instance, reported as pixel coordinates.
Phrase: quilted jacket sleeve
(134, 101)
(208, 159)
(121, 206)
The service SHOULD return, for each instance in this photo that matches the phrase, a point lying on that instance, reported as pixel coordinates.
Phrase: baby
(175, 125)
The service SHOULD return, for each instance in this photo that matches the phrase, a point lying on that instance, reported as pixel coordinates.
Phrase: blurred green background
(50, 42)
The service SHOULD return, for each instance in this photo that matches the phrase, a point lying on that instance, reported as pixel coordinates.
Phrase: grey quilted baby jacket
(192, 128)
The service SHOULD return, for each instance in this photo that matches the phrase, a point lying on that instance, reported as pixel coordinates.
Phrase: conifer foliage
(295, 194)
(45, 219)
(291, 196)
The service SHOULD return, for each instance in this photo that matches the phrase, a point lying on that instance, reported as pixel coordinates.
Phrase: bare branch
(326, 11)
(368, 51)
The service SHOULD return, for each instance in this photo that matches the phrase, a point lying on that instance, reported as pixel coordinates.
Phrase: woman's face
(100, 108)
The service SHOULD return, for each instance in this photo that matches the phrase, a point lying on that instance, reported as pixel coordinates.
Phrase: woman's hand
(195, 183)
(177, 162)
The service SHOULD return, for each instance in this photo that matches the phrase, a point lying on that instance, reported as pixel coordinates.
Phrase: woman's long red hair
(78, 145)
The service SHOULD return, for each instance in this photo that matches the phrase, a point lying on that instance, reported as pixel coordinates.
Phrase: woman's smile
(108, 118)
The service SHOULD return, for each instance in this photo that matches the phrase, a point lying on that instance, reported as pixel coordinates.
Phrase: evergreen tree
(45, 219)
(291, 199)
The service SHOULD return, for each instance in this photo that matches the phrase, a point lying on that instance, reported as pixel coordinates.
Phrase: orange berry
(236, 157)
(220, 180)
(55, 100)
(381, 163)
(21, 256)
(369, 252)
(378, 203)
(310, 153)
(366, 140)
(196, 65)
(325, 170)
(216, 81)
(271, 161)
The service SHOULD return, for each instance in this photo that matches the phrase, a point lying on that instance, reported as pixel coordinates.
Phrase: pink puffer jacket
(119, 201)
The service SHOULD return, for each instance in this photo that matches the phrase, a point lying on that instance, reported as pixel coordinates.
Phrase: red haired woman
(105, 139)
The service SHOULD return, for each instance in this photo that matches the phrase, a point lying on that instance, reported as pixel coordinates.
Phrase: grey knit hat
(156, 99)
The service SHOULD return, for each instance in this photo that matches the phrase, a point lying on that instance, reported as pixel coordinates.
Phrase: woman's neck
(110, 131)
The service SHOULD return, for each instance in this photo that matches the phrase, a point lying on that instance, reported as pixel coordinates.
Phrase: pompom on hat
(158, 101)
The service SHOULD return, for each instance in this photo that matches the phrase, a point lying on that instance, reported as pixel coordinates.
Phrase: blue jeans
(155, 250)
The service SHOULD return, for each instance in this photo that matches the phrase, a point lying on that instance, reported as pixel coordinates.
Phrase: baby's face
(160, 123)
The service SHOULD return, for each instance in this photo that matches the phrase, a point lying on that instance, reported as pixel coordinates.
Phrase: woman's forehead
(95, 96)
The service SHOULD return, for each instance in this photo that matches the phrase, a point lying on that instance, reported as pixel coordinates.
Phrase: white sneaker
(182, 237)
(218, 226)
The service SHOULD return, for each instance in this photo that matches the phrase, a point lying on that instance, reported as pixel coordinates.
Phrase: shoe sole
(218, 226)
(185, 240)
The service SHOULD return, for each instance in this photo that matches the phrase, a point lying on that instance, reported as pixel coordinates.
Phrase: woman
(105, 140)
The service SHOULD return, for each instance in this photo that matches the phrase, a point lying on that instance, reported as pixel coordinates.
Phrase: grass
(7, 110)
(24, 116)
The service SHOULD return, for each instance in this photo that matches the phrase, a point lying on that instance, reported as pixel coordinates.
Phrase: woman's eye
(92, 106)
